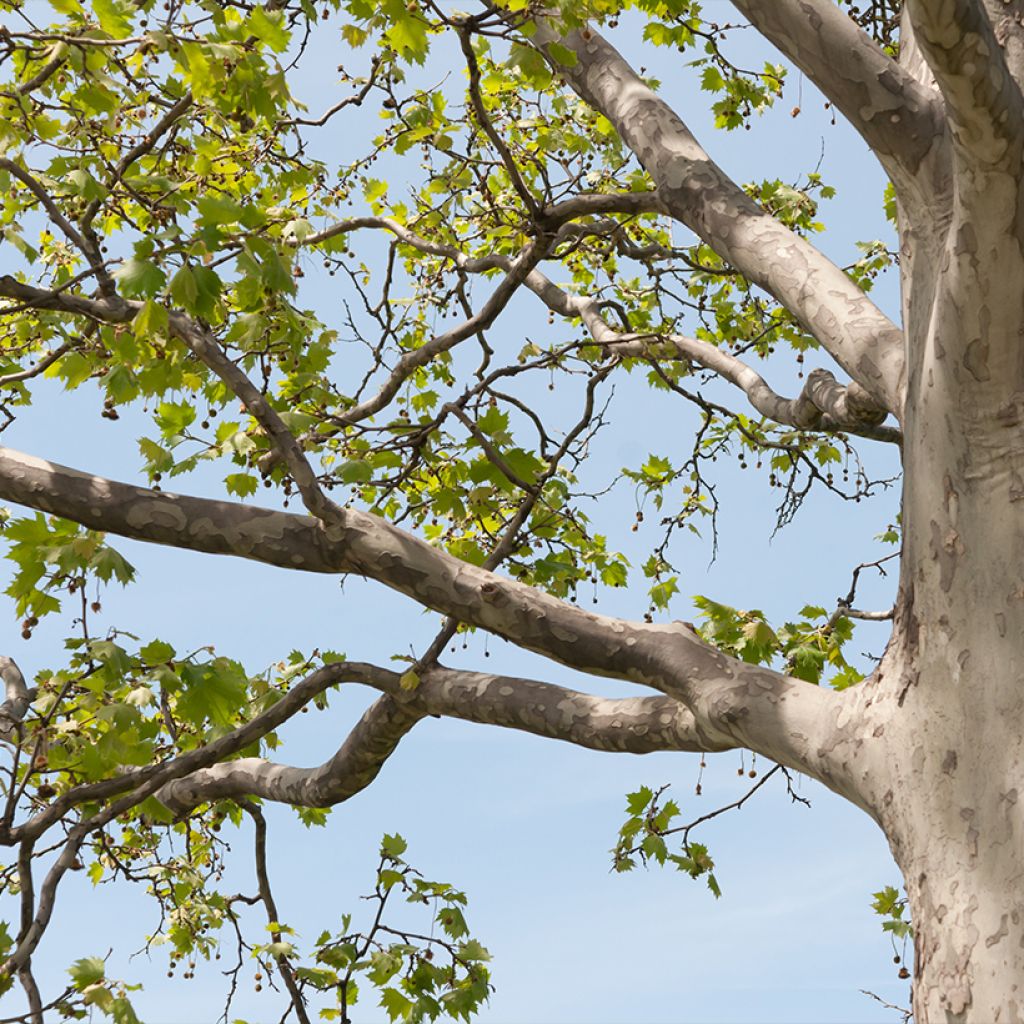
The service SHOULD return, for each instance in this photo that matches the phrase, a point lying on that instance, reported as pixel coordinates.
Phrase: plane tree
(167, 211)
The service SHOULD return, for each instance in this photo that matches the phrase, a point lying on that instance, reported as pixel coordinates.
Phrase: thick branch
(894, 113)
(984, 103)
(349, 771)
(734, 703)
(635, 725)
(363, 544)
(698, 193)
(135, 780)
(115, 310)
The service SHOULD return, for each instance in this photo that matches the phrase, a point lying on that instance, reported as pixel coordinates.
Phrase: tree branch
(508, 161)
(166, 771)
(635, 725)
(33, 371)
(47, 203)
(365, 545)
(823, 404)
(479, 321)
(734, 703)
(699, 194)
(984, 103)
(354, 766)
(894, 113)
(284, 964)
(17, 697)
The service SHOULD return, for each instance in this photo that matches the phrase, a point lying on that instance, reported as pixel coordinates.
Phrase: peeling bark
(720, 691)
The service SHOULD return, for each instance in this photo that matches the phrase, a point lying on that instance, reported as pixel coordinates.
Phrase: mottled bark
(823, 403)
(725, 695)
(946, 705)
(636, 725)
(898, 117)
(984, 103)
(17, 697)
(698, 193)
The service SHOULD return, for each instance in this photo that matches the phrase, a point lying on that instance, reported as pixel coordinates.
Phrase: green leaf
(219, 209)
(108, 564)
(87, 971)
(151, 320)
(242, 484)
(393, 846)
(354, 472)
(140, 279)
(636, 803)
(269, 28)
(214, 692)
(173, 418)
(184, 289)
(156, 652)
(123, 1013)
(114, 17)
(396, 1005)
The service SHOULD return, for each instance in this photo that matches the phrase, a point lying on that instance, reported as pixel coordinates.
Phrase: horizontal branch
(698, 193)
(636, 725)
(362, 544)
(733, 703)
(349, 771)
(133, 779)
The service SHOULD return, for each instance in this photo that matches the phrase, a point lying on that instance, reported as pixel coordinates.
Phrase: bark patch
(976, 360)
(999, 935)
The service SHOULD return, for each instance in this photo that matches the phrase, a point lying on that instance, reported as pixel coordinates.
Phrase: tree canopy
(520, 227)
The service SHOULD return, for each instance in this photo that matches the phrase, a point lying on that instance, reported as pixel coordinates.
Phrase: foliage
(156, 158)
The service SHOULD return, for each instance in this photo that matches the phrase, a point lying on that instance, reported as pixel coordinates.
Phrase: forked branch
(694, 190)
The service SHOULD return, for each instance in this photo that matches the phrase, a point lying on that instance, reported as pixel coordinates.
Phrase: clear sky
(525, 825)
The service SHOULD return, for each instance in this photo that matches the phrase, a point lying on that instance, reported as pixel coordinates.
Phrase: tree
(179, 203)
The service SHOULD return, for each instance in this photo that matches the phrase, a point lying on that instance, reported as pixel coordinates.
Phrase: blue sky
(525, 825)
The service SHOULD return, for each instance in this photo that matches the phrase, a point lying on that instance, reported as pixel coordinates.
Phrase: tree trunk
(946, 708)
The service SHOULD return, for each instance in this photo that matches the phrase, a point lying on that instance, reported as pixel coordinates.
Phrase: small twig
(349, 101)
(48, 204)
(266, 896)
(908, 1015)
